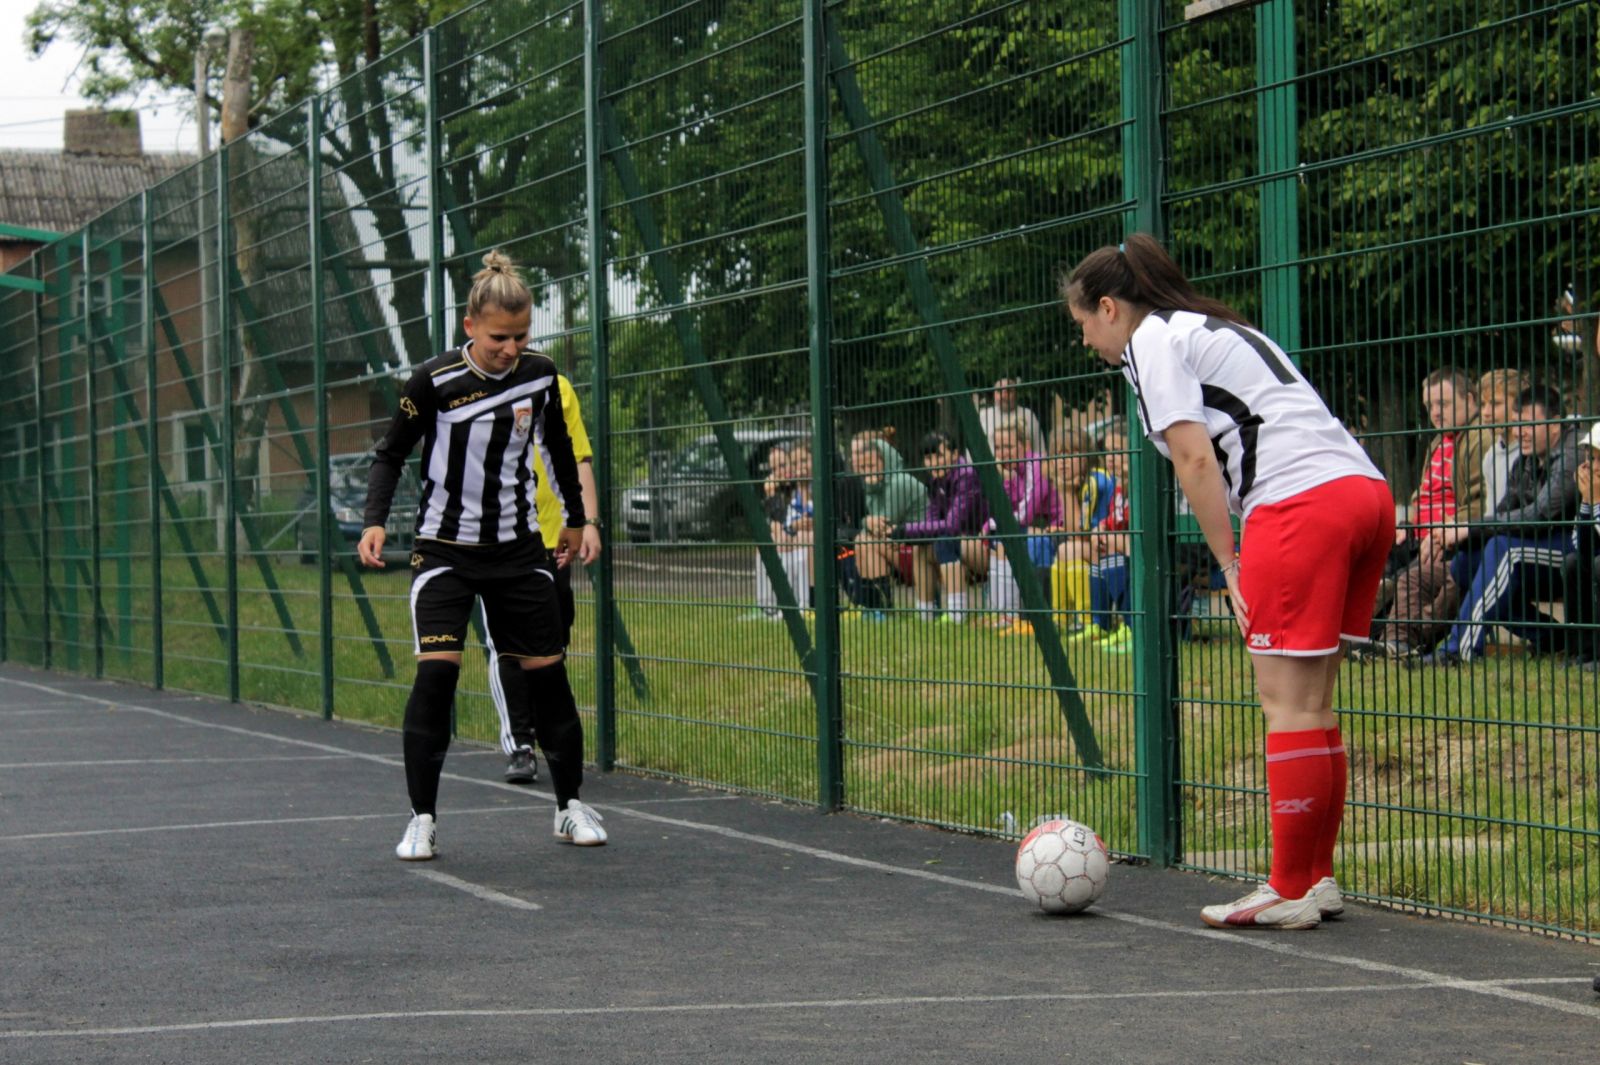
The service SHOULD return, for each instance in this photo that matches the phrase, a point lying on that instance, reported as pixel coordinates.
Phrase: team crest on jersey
(409, 407)
(524, 420)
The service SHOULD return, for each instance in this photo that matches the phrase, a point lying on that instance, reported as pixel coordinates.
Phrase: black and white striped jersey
(477, 432)
(1274, 437)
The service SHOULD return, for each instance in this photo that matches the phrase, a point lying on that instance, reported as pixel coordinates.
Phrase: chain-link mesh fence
(880, 532)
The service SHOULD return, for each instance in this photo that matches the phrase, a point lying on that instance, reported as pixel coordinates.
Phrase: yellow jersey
(544, 500)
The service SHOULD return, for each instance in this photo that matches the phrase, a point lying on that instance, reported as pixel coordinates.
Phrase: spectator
(1578, 572)
(1037, 506)
(892, 497)
(1512, 561)
(950, 552)
(776, 490)
(1105, 552)
(1078, 475)
(1005, 408)
(792, 531)
(1499, 390)
(1451, 491)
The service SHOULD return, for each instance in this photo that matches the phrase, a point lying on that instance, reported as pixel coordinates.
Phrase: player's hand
(1589, 481)
(590, 549)
(1400, 534)
(370, 549)
(570, 544)
(1241, 609)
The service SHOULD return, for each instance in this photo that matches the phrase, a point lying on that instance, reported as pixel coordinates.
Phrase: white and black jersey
(1273, 436)
(477, 432)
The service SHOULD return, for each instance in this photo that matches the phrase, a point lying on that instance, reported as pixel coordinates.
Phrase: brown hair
(882, 432)
(1456, 379)
(1139, 271)
(498, 284)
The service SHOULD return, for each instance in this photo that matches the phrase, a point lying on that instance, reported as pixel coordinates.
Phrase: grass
(1472, 790)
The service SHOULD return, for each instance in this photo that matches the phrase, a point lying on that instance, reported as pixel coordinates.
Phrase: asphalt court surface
(191, 881)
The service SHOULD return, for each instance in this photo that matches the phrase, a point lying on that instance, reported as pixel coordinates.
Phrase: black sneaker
(523, 768)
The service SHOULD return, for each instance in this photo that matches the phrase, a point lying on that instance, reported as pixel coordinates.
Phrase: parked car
(347, 499)
(691, 496)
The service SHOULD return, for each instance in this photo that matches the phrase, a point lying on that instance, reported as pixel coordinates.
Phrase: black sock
(555, 722)
(883, 592)
(427, 730)
(519, 712)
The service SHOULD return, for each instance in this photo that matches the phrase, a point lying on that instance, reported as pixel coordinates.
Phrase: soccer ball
(1062, 866)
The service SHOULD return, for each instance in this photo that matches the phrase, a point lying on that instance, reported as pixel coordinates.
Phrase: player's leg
(522, 611)
(440, 605)
(1300, 561)
(925, 575)
(518, 733)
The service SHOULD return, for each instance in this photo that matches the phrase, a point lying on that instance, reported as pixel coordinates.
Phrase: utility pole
(211, 42)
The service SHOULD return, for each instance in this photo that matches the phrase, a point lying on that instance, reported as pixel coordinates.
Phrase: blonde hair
(498, 284)
(1501, 384)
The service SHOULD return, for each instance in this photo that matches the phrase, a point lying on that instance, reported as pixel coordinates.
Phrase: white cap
(1592, 437)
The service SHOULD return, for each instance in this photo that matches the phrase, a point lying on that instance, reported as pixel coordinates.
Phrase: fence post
(830, 748)
(152, 431)
(1277, 135)
(605, 672)
(41, 485)
(1155, 657)
(319, 376)
(224, 320)
(431, 147)
(92, 446)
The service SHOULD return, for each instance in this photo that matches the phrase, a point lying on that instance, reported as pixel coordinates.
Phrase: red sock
(1298, 772)
(1338, 782)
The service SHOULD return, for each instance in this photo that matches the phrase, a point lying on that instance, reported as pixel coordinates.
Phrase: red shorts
(1310, 566)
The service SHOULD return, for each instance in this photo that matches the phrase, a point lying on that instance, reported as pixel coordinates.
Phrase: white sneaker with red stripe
(1265, 908)
(1329, 902)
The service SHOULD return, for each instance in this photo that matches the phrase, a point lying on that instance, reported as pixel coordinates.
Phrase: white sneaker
(1264, 908)
(417, 845)
(580, 824)
(1329, 902)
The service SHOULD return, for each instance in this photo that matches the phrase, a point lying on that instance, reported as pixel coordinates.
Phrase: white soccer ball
(1062, 866)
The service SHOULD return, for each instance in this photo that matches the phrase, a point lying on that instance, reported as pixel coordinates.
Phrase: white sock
(955, 604)
(927, 609)
(1004, 595)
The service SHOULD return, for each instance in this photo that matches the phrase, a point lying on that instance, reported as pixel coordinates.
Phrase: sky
(35, 94)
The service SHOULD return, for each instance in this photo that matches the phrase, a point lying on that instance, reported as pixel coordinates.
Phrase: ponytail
(498, 284)
(1139, 272)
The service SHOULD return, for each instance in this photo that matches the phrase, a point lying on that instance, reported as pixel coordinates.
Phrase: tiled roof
(60, 192)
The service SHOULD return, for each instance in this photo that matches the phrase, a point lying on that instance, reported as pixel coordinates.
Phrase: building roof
(60, 192)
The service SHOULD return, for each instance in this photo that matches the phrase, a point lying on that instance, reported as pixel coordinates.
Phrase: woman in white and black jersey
(479, 411)
(1248, 435)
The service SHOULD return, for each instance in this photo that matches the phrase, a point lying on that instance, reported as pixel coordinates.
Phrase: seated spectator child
(792, 532)
(1579, 569)
(1106, 552)
(1037, 508)
(892, 497)
(776, 491)
(1509, 562)
(1080, 476)
(949, 549)
(1498, 390)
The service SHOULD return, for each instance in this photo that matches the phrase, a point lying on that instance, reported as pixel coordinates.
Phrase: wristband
(593, 521)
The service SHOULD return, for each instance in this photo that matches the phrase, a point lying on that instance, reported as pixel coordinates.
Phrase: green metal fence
(777, 232)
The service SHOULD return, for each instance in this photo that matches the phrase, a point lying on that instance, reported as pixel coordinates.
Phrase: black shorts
(516, 581)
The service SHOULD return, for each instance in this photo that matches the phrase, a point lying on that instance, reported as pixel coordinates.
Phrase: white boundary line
(137, 830)
(1247, 940)
(84, 762)
(476, 890)
(733, 1007)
